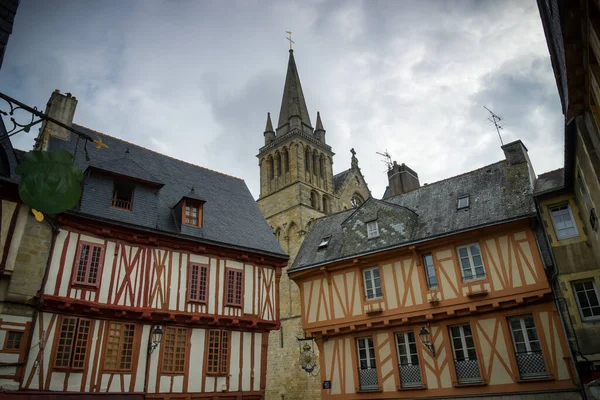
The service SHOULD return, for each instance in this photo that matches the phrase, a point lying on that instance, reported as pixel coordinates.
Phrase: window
(325, 205)
(307, 160)
(322, 167)
(315, 162)
(463, 202)
(72, 343)
(367, 369)
(527, 347)
(122, 196)
(175, 343)
(218, 352)
(12, 341)
(89, 264)
(314, 202)
(234, 292)
(286, 160)
(430, 271)
(372, 283)
(563, 221)
(410, 373)
(372, 229)
(356, 201)
(198, 283)
(470, 262)
(587, 297)
(465, 357)
(324, 242)
(278, 163)
(192, 212)
(119, 349)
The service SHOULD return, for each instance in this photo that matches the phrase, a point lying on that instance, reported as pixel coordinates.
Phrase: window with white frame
(324, 242)
(465, 356)
(563, 221)
(527, 347)
(463, 202)
(471, 263)
(432, 282)
(586, 293)
(372, 229)
(410, 372)
(367, 368)
(372, 283)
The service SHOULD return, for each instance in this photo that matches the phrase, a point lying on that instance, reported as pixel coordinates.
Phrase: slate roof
(230, 214)
(127, 167)
(293, 102)
(550, 181)
(498, 194)
(338, 179)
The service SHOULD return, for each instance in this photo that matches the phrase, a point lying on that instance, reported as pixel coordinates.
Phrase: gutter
(400, 245)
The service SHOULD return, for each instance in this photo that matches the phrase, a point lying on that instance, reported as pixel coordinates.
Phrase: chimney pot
(402, 179)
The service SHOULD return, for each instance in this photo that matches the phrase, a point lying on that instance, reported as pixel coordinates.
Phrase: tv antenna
(495, 119)
(387, 159)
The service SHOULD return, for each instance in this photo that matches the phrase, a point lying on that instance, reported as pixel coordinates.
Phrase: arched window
(322, 168)
(286, 160)
(278, 163)
(356, 200)
(314, 202)
(325, 205)
(307, 159)
(315, 162)
(278, 234)
(271, 168)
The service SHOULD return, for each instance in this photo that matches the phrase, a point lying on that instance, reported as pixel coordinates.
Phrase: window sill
(200, 302)
(373, 237)
(219, 375)
(548, 378)
(479, 293)
(88, 286)
(483, 278)
(377, 390)
(234, 305)
(482, 383)
(404, 389)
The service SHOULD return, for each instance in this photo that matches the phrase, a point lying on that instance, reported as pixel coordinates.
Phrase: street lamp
(426, 340)
(156, 338)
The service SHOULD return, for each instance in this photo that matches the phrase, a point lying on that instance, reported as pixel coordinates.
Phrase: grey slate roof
(128, 167)
(498, 193)
(230, 214)
(338, 179)
(550, 181)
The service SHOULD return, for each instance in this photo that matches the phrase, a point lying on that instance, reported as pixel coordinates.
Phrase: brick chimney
(61, 107)
(402, 179)
(516, 153)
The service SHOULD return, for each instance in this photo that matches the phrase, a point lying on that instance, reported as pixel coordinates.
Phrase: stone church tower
(297, 186)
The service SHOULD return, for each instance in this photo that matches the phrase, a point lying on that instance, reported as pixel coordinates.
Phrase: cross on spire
(290, 38)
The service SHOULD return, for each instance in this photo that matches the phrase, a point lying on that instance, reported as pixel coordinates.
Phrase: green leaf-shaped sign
(49, 181)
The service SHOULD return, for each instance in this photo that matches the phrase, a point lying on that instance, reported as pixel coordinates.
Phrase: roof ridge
(446, 179)
(161, 154)
(554, 170)
(343, 172)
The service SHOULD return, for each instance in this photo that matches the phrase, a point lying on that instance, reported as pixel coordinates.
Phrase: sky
(195, 79)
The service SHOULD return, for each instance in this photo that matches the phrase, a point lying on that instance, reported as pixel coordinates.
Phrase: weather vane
(290, 38)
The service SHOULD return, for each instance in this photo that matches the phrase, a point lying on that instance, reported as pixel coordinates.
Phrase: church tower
(297, 186)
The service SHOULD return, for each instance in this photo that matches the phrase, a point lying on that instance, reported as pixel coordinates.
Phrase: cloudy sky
(195, 79)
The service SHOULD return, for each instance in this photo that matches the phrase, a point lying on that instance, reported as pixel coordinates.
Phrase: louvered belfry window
(71, 348)
(218, 352)
(88, 264)
(234, 292)
(198, 283)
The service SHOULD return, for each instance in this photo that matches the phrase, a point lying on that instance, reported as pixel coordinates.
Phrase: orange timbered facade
(449, 301)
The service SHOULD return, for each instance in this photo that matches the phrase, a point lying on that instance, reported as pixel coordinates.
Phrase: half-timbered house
(162, 282)
(436, 291)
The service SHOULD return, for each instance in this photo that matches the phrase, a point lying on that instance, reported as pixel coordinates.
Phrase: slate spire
(269, 132)
(293, 103)
(319, 130)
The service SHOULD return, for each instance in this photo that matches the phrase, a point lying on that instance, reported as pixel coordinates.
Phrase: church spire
(269, 132)
(293, 104)
(319, 130)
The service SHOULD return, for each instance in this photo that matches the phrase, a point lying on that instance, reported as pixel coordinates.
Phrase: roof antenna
(495, 119)
(387, 159)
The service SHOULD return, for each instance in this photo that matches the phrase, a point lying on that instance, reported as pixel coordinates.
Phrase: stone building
(569, 198)
(297, 186)
(436, 291)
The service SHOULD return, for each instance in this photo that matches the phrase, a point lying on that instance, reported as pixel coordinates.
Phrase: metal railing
(410, 375)
(467, 371)
(531, 365)
(368, 379)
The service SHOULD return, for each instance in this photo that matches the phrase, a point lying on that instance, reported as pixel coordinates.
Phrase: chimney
(402, 179)
(516, 153)
(60, 107)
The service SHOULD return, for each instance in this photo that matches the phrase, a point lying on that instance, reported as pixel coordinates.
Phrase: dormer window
(372, 229)
(192, 213)
(324, 242)
(463, 202)
(123, 196)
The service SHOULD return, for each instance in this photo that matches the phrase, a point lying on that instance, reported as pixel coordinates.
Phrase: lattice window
(218, 352)
(432, 282)
(465, 357)
(122, 196)
(72, 344)
(12, 342)
(192, 213)
(367, 367)
(198, 283)
(174, 350)
(89, 264)
(527, 347)
(372, 282)
(410, 372)
(471, 262)
(234, 292)
(119, 349)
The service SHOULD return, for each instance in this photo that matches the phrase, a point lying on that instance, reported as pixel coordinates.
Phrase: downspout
(554, 285)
